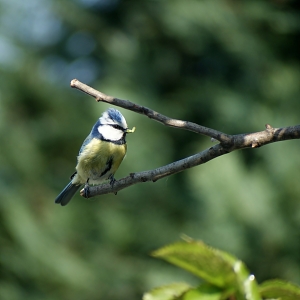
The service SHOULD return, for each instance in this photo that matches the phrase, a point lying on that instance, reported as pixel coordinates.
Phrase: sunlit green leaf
(167, 292)
(212, 265)
(279, 289)
(247, 286)
(204, 292)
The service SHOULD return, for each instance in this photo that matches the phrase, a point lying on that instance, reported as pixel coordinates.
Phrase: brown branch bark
(228, 143)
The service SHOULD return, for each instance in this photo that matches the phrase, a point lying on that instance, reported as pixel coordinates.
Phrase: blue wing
(86, 142)
(94, 134)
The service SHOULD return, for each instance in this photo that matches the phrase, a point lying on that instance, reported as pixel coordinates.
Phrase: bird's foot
(86, 189)
(112, 180)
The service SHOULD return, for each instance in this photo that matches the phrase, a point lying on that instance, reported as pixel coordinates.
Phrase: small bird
(100, 154)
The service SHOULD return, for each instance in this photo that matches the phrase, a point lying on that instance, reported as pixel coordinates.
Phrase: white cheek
(110, 133)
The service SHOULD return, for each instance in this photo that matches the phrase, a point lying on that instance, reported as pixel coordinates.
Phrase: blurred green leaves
(225, 277)
(230, 65)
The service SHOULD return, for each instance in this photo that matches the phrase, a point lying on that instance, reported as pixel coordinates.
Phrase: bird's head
(113, 125)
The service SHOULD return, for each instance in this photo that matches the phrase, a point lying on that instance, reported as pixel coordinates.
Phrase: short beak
(130, 130)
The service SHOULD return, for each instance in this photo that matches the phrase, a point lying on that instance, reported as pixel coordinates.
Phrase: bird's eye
(117, 127)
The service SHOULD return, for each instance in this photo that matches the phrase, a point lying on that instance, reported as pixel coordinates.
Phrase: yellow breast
(98, 161)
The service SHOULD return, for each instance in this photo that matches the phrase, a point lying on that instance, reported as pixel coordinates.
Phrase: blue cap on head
(113, 116)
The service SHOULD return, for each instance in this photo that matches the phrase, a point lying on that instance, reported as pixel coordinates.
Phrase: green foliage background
(230, 65)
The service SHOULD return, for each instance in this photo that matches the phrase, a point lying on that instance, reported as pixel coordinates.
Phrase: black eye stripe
(117, 127)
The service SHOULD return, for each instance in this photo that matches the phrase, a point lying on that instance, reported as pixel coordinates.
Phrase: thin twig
(228, 143)
(220, 136)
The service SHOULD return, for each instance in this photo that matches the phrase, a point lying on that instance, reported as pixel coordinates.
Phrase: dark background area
(229, 65)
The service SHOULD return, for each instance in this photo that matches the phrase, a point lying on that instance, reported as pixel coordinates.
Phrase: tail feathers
(67, 193)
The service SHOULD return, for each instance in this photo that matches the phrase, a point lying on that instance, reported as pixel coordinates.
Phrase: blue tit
(100, 154)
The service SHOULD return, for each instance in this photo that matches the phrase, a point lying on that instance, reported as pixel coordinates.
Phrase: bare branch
(270, 135)
(228, 143)
(159, 173)
(240, 141)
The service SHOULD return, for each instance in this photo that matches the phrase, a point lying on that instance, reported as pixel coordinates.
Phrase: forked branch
(228, 143)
